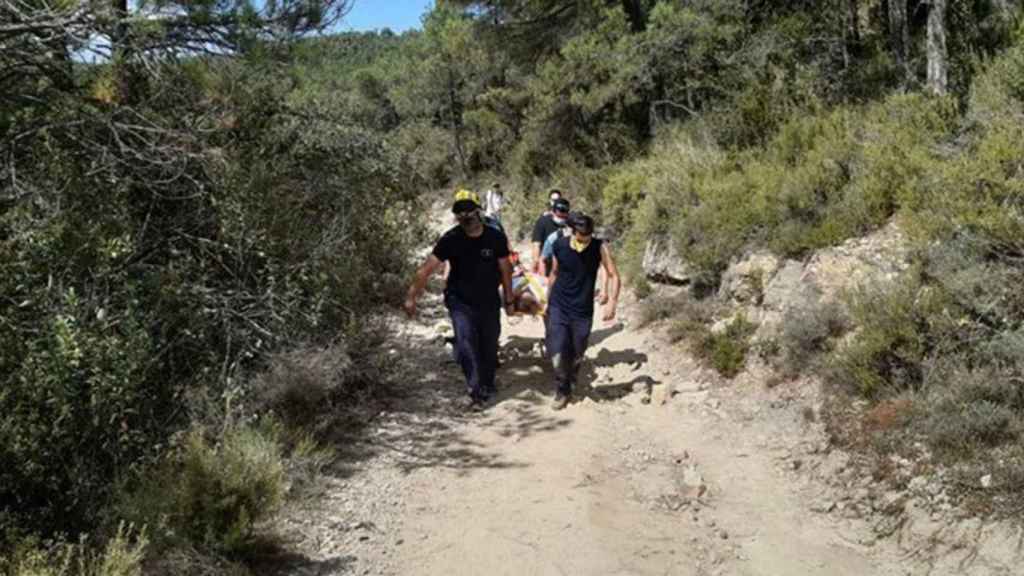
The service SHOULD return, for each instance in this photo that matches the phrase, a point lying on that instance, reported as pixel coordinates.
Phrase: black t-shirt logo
(487, 253)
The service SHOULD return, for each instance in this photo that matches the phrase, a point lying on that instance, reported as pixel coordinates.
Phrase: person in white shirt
(494, 201)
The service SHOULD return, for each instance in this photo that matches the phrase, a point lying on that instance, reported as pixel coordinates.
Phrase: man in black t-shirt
(478, 258)
(548, 222)
(571, 300)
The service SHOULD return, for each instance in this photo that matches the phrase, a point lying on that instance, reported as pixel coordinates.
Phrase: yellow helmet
(462, 199)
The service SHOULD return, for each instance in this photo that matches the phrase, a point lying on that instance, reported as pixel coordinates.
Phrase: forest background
(206, 209)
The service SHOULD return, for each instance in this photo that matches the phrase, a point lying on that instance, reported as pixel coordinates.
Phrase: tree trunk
(938, 57)
(853, 9)
(635, 12)
(851, 33)
(899, 38)
(456, 112)
(118, 35)
(119, 50)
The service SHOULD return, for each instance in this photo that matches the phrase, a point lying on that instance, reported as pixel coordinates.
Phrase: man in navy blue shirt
(577, 259)
(478, 256)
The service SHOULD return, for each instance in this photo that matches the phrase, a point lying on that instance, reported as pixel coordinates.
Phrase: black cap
(560, 205)
(581, 223)
(464, 206)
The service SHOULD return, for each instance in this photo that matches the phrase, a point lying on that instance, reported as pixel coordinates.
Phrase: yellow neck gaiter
(577, 245)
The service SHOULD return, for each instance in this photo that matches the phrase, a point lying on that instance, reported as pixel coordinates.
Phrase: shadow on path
(280, 561)
(420, 422)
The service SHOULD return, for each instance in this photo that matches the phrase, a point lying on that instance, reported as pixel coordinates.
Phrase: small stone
(986, 481)
(723, 535)
(695, 486)
(824, 506)
(917, 484)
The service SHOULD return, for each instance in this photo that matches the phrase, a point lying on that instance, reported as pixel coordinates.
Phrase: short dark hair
(554, 191)
(560, 205)
(581, 223)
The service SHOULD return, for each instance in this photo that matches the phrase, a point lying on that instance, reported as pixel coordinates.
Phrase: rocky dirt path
(657, 468)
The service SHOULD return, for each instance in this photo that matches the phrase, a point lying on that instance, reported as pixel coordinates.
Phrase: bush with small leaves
(726, 351)
(212, 492)
(121, 555)
(807, 333)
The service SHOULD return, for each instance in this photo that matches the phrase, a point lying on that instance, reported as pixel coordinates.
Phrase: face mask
(578, 243)
(558, 220)
(469, 219)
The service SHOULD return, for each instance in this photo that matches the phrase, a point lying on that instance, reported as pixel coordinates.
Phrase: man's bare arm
(419, 282)
(505, 267)
(611, 278)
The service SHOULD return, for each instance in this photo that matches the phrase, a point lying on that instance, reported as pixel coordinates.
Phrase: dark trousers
(476, 344)
(567, 343)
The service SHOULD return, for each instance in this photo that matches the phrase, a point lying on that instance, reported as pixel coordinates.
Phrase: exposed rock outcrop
(663, 264)
(766, 288)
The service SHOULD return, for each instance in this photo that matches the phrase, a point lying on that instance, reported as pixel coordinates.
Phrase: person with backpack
(547, 251)
(548, 222)
(479, 262)
(575, 263)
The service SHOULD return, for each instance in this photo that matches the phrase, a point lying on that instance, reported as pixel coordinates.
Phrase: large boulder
(745, 281)
(789, 287)
(663, 264)
(873, 259)
(766, 288)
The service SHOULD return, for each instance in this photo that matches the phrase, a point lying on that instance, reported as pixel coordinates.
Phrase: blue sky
(399, 15)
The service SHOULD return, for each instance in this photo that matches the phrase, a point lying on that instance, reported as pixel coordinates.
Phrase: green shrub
(823, 177)
(891, 341)
(959, 428)
(806, 334)
(170, 264)
(679, 308)
(74, 411)
(430, 156)
(642, 288)
(300, 384)
(212, 494)
(726, 351)
(658, 309)
(121, 555)
(621, 196)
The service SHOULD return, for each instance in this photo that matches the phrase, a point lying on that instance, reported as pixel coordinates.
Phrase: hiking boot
(471, 404)
(561, 401)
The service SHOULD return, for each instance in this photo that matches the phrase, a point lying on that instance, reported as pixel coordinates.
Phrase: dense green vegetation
(202, 225)
(171, 225)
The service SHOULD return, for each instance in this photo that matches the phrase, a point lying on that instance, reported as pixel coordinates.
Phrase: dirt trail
(656, 468)
(639, 476)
